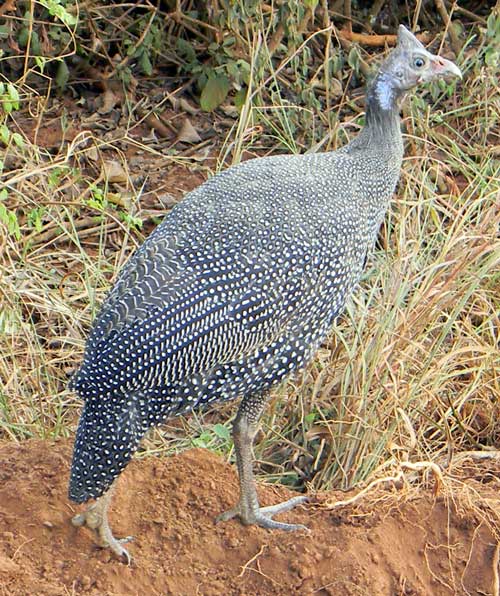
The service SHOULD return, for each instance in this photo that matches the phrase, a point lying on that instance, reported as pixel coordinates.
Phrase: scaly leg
(96, 518)
(248, 509)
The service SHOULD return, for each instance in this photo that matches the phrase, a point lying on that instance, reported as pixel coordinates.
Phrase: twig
(286, 61)
(277, 38)
(85, 227)
(375, 9)
(28, 540)
(479, 455)
(178, 16)
(446, 18)
(377, 40)
(155, 121)
(348, 14)
(416, 15)
(426, 465)
(429, 547)
(468, 13)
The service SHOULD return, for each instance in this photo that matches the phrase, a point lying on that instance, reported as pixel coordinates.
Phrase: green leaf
(186, 50)
(493, 25)
(62, 74)
(214, 92)
(222, 432)
(35, 219)
(40, 62)
(23, 37)
(35, 44)
(9, 219)
(240, 97)
(203, 440)
(353, 59)
(145, 62)
(56, 10)
(131, 220)
(18, 140)
(233, 70)
(14, 95)
(491, 57)
(245, 69)
(4, 132)
(310, 418)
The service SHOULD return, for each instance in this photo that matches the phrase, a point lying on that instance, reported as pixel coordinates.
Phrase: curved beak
(440, 67)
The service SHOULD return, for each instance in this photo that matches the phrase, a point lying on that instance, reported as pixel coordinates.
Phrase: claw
(105, 538)
(96, 518)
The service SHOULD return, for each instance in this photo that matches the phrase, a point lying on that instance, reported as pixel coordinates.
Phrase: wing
(220, 278)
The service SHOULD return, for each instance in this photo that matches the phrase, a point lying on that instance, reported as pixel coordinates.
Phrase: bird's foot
(96, 519)
(263, 516)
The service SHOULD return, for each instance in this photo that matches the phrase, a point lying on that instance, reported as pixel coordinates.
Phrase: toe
(263, 516)
(266, 521)
(78, 520)
(227, 515)
(282, 507)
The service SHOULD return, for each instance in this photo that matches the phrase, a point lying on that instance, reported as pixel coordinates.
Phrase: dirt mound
(419, 546)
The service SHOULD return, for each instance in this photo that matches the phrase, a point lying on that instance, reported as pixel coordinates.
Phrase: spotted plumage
(232, 293)
(236, 289)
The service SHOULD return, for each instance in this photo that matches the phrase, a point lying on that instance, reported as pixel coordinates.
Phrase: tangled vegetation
(109, 112)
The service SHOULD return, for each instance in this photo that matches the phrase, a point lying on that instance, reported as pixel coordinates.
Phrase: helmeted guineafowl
(235, 291)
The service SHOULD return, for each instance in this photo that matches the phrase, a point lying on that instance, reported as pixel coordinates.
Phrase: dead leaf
(108, 101)
(92, 153)
(124, 200)
(318, 431)
(336, 89)
(114, 172)
(8, 6)
(188, 133)
(183, 105)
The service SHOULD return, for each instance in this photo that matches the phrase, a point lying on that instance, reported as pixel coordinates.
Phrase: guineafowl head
(408, 65)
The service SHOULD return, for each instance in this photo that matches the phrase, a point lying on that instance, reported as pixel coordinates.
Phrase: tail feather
(106, 439)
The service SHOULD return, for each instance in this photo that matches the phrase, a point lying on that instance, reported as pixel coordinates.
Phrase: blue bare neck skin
(381, 145)
(382, 108)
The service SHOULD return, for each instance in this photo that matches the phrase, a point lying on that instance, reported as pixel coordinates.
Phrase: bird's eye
(418, 62)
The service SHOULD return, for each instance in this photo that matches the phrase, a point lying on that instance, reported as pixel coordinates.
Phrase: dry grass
(411, 372)
(413, 369)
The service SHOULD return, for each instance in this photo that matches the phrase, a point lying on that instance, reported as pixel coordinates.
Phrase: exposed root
(475, 455)
(395, 480)
(250, 561)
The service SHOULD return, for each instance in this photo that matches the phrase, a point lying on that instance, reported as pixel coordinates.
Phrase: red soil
(420, 545)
